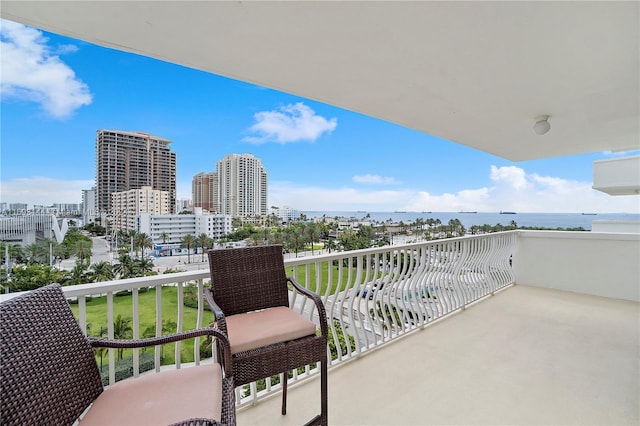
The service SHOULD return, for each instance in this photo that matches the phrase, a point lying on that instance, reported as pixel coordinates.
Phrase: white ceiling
(476, 73)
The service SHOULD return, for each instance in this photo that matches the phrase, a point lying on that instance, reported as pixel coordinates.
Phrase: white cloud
(542, 194)
(513, 190)
(290, 123)
(374, 179)
(31, 71)
(509, 175)
(44, 190)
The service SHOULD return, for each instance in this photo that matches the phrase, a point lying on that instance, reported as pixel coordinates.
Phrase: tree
(313, 233)
(203, 240)
(83, 251)
(143, 267)
(32, 276)
(164, 237)
(36, 252)
(131, 239)
(14, 250)
(122, 330)
(99, 351)
(188, 241)
(126, 267)
(143, 241)
(101, 271)
(330, 244)
(295, 239)
(78, 274)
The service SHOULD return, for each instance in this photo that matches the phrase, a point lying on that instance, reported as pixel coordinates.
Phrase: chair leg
(285, 377)
(324, 403)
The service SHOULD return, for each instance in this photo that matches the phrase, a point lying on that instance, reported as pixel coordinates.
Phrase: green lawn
(97, 317)
(122, 305)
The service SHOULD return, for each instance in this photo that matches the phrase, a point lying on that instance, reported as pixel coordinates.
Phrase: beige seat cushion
(262, 328)
(160, 399)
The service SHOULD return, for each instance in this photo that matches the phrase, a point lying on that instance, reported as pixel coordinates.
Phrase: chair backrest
(48, 373)
(248, 279)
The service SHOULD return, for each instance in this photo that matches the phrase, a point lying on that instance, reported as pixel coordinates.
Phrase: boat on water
(501, 212)
(468, 212)
(589, 214)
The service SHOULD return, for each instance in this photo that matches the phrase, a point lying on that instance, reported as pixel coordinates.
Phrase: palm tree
(36, 252)
(203, 240)
(102, 271)
(330, 244)
(14, 251)
(143, 241)
(83, 251)
(143, 267)
(99, 351)
(164, 237)
(295, 239)
(122, 330)
(78, 274)
(131, 239)
(126, 268)
(313, 233)
(188, 241)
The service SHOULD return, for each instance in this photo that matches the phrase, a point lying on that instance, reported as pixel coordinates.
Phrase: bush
(191, 298)
(124, 368)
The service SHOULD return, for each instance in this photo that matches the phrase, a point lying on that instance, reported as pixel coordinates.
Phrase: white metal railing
(371, 296)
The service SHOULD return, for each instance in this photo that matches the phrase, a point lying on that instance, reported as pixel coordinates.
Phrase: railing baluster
(408, 286)
(136, 331)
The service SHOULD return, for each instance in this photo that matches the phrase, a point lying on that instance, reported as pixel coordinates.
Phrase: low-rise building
(167, 231)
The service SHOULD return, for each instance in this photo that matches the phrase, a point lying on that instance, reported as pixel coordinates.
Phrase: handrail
(372, 296)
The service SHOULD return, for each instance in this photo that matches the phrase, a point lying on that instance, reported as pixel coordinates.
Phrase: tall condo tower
(204, 191)
(242, 186)
(131, 160)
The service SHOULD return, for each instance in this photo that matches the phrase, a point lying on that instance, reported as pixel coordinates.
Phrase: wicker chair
(49, 375)
(249, 296)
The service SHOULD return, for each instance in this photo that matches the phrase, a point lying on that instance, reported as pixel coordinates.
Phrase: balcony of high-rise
(519, 327)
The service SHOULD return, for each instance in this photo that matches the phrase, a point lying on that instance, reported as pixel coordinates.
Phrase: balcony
(517, 327)
(524, 356)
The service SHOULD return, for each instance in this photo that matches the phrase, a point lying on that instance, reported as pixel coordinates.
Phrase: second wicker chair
(250, 298)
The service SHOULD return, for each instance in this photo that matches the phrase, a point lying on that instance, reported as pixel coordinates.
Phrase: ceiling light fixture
(542, 125)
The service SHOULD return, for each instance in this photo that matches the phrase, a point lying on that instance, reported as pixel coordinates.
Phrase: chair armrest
(221, 339)
(322, 312)
(218, 315)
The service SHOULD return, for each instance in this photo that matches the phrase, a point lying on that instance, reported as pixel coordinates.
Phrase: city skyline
(57, 92)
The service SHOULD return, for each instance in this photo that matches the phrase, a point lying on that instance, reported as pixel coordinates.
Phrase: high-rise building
(131, 160)
(204, 191)
(89, 205)
(242, 186)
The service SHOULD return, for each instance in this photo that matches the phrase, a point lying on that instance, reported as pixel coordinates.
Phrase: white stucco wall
(601, 264)
(625, 226)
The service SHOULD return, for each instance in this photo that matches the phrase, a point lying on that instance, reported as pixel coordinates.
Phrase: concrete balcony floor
(524, 356)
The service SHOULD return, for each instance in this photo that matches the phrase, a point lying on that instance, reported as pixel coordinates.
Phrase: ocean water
(546, 220)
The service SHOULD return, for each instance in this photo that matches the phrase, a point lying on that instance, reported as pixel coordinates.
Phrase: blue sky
(56, 92)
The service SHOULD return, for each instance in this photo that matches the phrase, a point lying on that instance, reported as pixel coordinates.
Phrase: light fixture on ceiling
(542, 125)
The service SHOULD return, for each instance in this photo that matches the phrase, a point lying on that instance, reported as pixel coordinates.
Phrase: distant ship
(467, 212)
(589, 214)
(501, 212)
